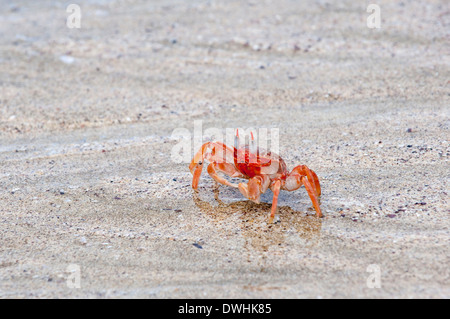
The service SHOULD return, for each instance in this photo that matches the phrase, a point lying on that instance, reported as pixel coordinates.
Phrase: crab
(263, 169)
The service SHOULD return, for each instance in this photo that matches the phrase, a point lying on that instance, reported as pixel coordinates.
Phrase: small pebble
(420, 203)
(67, 59)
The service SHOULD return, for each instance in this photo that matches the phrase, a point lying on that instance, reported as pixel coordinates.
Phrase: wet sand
(86, 174)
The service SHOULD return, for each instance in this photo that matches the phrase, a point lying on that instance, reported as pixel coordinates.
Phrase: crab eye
(253, 147)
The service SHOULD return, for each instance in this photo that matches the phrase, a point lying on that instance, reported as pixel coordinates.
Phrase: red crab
(263, 169)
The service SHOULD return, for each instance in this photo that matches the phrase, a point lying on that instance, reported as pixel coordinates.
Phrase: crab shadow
(290, 226)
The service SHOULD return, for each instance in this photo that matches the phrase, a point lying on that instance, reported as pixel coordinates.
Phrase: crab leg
(255, 187)
(252, 193)
(213, 152)
(303, 170)
(225, 168)
(197, 173)
(196, 165)
(312, 194)
(276, 191)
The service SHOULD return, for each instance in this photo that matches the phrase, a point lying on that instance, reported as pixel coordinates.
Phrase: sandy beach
(93, 205)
